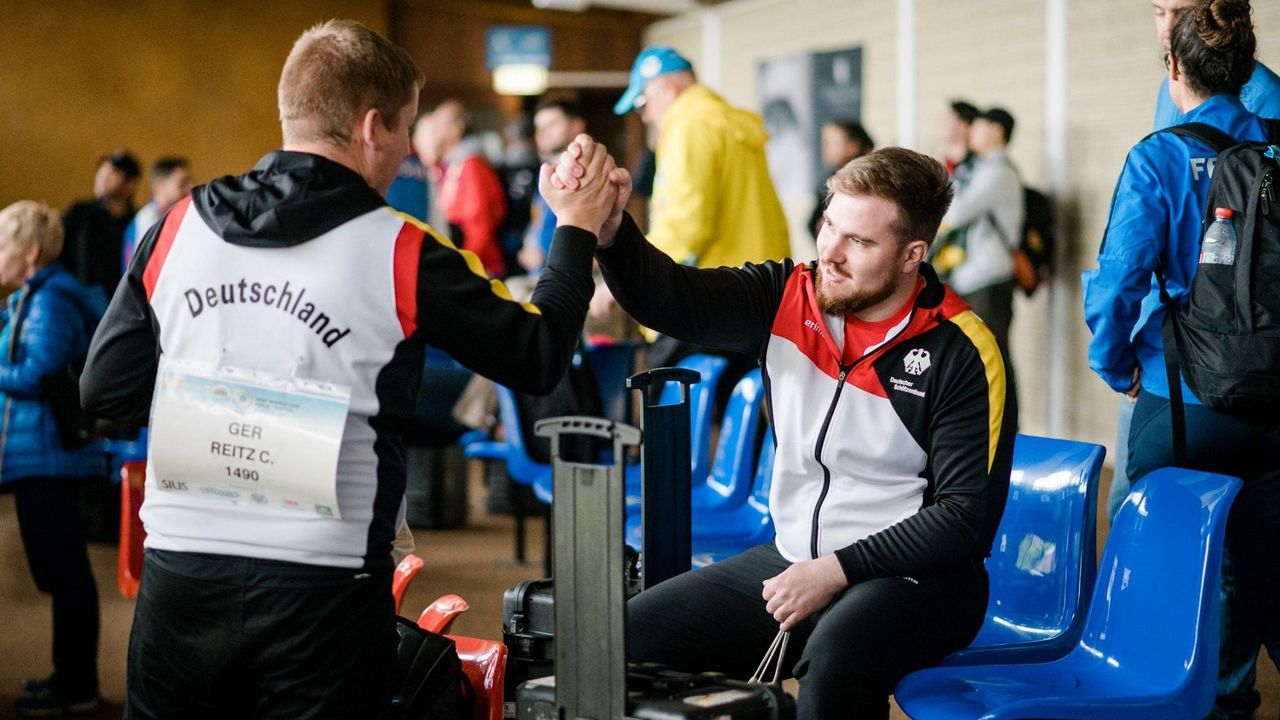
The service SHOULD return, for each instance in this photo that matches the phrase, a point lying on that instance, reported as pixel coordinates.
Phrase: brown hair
(916, 183)
(338, 71)
(28, 223)
(1215, 44)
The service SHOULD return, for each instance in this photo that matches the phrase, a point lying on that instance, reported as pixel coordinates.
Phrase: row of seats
(730, 492)
(1055, 642)
(1145, 645)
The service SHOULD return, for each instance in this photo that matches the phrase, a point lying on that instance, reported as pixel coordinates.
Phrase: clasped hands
(586, 189)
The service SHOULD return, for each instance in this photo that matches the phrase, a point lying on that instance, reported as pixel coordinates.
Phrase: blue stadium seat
(1150, 643)
(1044, 559)
(741, 527)
(727, 515)
(701, 407)
(523, 469)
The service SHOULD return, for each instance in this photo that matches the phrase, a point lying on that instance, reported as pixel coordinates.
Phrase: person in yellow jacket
(713, 202)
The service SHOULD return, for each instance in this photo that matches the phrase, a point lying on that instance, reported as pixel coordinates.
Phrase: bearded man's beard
(859, 300)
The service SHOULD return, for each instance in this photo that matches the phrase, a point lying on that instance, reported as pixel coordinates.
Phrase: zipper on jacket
(1265, 196)
(817, 455)
(826, 425)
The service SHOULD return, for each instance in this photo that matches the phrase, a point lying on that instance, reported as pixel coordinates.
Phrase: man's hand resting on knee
(803, 589)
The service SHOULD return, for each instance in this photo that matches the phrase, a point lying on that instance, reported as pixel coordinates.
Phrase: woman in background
(47, 325)
(1156, 222)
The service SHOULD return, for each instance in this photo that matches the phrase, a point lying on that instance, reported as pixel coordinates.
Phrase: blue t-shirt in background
(409, 191)
(1260, 96)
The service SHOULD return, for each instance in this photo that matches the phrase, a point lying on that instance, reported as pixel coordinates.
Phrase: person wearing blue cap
(713, 201)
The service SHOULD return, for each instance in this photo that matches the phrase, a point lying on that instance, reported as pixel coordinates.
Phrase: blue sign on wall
(517, 44)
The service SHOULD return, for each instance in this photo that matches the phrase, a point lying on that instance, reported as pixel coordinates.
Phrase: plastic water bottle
(1219, 245)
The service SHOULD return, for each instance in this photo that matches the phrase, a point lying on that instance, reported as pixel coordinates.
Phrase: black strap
(1273, 130)
(1172, 335)
(1207, 134)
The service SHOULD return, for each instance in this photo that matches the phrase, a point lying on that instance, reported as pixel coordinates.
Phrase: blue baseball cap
(650, 63)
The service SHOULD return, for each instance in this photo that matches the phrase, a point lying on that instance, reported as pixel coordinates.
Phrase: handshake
(586, 189)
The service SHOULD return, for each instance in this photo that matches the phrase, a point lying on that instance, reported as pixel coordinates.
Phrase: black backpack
(1225, 337)
(430, 683)
(1033, 258)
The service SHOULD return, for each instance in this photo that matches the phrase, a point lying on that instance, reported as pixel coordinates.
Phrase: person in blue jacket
(1260, 96)
(1155, 221)
(47, 325)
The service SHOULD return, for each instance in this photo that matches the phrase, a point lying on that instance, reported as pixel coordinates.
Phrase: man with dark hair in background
(842, 141)
(557, 120)
(983, 227)
(95, 228)
(170, 182)
(953, 133)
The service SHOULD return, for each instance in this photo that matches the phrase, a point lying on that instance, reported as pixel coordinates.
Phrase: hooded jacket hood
(288, 198)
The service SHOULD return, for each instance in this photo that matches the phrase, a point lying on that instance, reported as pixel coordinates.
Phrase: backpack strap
(1273, 130)
(1171, 334)
(1207, 134)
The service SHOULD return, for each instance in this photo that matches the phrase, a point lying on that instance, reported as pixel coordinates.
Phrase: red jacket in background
(475, 203)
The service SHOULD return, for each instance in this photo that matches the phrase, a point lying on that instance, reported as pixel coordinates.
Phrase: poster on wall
(798, 94)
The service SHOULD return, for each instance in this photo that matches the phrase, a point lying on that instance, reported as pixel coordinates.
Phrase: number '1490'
(242, 474)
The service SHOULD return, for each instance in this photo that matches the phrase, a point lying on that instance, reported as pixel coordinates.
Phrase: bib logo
(1202, 165)
(916, 361)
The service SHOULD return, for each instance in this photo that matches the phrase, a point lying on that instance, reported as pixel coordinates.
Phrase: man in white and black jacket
(298, 269)
(894, 440)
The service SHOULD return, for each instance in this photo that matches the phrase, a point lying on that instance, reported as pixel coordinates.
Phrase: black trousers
(1217, 442)
(994, 304)
(220, 637)
(49, 520)
(847, 658)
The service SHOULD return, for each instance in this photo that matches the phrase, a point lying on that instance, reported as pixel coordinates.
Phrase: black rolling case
(528, 622)
(592, 677)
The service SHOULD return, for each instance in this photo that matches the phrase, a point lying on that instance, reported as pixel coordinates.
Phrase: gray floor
(475, 563)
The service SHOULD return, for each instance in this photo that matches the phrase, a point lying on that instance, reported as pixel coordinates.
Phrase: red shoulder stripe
(407, 255)
(164, 242)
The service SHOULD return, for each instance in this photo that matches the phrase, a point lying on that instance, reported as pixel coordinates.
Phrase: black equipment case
(528, 620)
(592, 677)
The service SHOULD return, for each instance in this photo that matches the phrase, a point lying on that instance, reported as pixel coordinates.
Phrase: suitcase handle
(653, 381)
(581, 425)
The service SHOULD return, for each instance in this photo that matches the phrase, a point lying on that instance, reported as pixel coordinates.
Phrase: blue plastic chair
(523, 469)
(724, 534)
(729, 482)
(718, 514)
(1044, 559)
(512, 449)
(1149, 650)
(613, 363)
(701, 407)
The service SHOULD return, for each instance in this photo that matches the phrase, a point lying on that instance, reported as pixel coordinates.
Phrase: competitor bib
(237, 436)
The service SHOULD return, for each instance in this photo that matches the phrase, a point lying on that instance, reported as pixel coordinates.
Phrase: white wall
(989, 52)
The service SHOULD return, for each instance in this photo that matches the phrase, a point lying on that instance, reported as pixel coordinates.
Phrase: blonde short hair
(28, 223)
(337, 71)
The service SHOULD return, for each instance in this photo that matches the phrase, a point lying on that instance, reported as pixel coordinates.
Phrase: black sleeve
(970, 450)
(726, 308)
(120, 372)
(525, 346)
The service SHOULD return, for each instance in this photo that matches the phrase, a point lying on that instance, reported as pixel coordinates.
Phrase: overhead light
(566, 5)
(655, 7)
(520, 79)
